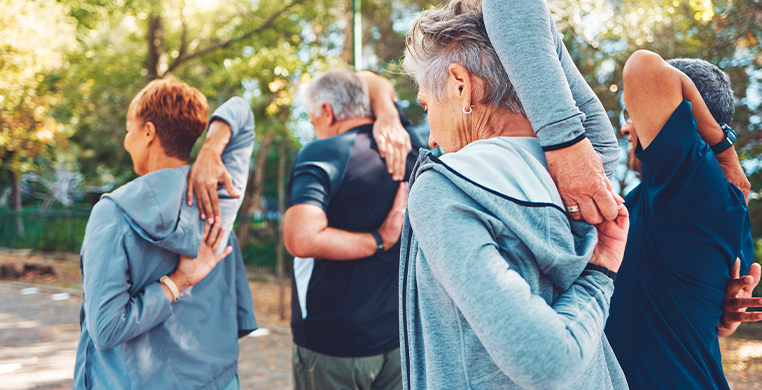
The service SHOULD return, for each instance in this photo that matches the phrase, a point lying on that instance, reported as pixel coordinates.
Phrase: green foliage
(56, 231)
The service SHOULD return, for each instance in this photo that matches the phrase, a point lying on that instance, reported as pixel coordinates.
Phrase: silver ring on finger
(573, 209)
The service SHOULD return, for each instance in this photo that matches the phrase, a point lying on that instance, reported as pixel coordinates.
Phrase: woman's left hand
(191, 271)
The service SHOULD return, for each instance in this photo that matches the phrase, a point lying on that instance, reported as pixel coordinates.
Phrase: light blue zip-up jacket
(493, 291)
(132, 336)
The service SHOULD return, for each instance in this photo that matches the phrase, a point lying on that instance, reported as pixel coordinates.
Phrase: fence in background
(64, 231)
(43, 230)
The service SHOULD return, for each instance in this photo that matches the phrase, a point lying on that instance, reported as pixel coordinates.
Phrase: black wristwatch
(594, 267)
(728, 141)
(379, 241)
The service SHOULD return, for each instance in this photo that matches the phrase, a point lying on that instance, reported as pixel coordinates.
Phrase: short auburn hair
(178, 112)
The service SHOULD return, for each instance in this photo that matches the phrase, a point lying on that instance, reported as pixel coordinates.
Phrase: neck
(490, 122)
(159, 161)
(349, 124)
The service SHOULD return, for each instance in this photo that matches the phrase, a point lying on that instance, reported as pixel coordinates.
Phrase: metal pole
(357, 34)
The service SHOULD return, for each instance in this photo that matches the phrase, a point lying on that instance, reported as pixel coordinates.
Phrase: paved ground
(38, 344)
(38, 336)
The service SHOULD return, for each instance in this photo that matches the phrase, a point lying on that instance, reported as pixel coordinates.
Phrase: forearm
(217, 137)
(524, 38)
(382, 94)
(336, 244)
(116, 322)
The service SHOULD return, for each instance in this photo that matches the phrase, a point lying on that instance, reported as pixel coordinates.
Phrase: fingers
(737, 284)
(735, 272)
(391, 157)
(229, 186)
(382, 146)
(189, 192)
(215, 202)
(218, 240)
(207, 227)
(736, 304)
(752, 316)
(755, 272)
(399, 166)
(606, 203)
(200, 203)
(589, 211)
(223, 255)
(204, 204)
(213, 235)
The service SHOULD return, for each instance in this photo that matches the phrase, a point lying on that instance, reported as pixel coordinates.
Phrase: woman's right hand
(612, 239)
(191, 271)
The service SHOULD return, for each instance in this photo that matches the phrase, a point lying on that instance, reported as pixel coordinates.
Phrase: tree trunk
(17, 204)
(253, 198)
(155, 40)
(280, 249)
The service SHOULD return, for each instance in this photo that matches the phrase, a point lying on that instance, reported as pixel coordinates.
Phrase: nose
(625, 129)
(432, 143)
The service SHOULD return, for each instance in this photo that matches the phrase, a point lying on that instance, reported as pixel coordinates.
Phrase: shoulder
(106, 218)
(433, 193)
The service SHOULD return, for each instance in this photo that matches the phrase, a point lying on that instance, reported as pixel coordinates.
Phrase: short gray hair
(343, 89)
(456, 34)
(713, 85)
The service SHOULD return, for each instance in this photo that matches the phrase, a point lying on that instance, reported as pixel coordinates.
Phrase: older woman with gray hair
(498, 287)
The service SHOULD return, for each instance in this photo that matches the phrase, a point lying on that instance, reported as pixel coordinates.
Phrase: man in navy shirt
(688, 226)
(343, 224)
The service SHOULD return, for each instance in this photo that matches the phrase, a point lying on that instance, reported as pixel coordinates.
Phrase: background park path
(38, 334)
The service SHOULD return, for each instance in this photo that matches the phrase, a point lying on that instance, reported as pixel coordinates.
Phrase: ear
(148, 131)
(459, 85)
(326, 113)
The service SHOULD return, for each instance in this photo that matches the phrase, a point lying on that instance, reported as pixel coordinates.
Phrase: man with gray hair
(343, 224)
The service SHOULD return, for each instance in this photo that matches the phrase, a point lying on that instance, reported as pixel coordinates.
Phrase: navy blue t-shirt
(687, 226)
(347, 308)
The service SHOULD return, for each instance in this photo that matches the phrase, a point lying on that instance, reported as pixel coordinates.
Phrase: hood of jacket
(155, 208)
(513, 169)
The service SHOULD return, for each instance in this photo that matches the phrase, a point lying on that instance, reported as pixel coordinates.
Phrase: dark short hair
(712, 83)
(178, 112)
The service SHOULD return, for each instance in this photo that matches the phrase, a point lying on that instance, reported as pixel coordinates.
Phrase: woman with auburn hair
(164, 303)
(499, 288)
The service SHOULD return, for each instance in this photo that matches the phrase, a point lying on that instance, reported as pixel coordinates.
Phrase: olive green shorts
(315, 371)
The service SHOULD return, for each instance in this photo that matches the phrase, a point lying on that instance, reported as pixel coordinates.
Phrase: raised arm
(652, 91)
(392, 139)
(511, 322)
(223, 159)
(567, 117)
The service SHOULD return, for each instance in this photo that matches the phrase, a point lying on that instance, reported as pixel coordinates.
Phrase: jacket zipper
(404, 306)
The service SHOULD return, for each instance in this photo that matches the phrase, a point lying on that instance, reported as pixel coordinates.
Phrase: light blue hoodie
(493, 288)
(132, 336)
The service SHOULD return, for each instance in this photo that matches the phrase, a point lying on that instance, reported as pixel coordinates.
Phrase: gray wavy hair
(343, 89)
(456, 34)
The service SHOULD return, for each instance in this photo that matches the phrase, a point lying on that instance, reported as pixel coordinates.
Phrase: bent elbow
(640, 64)
(296, 246)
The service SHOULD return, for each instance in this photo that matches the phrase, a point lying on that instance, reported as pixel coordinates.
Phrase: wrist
(181, 282)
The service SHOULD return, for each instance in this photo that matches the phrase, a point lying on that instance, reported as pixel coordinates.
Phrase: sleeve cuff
(563, 145)
(155, 298)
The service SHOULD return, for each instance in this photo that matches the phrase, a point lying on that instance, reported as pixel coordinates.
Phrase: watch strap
(727, 142)
(379, 241)
(165, 280)
(594, 267)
